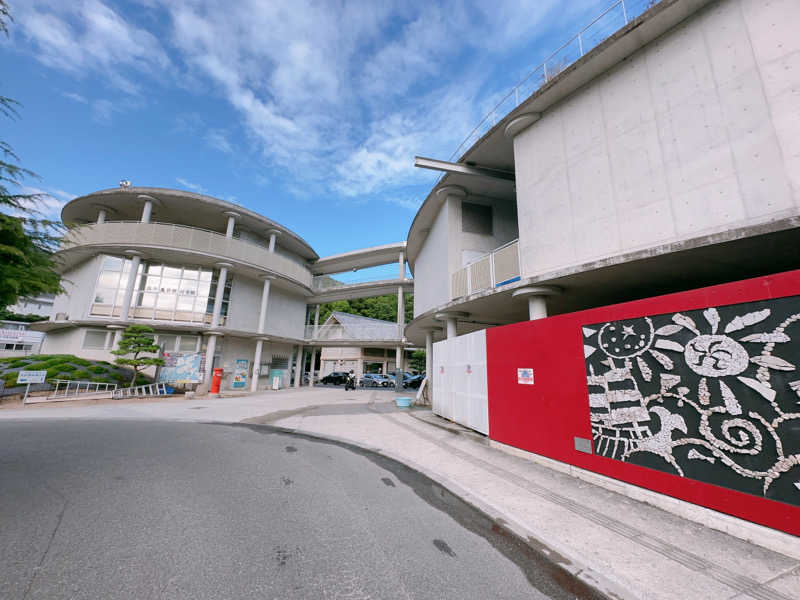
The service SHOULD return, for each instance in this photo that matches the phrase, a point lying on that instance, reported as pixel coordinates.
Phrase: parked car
(375, 380)
(335, 378)
(307, 378)
(413, 382)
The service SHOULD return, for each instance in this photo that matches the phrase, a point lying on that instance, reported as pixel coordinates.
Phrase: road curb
(563, 557)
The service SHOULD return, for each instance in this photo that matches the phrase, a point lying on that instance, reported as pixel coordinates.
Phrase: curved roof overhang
(495, 149)
(182, 208)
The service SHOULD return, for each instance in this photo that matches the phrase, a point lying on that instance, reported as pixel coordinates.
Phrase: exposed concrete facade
(694, 134)
(208, 276)
(666, 158)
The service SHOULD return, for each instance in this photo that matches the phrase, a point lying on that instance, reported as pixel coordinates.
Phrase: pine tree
(135, 340)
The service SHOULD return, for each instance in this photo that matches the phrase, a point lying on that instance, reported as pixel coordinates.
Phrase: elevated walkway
(329, 290)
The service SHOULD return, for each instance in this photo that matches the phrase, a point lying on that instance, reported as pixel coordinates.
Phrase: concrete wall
(469, 246)
(70, 341)
(431, 283)
(79, 284)
(286, 313)
(697, 133)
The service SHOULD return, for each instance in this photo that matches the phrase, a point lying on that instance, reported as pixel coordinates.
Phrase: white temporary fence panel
(460, 385)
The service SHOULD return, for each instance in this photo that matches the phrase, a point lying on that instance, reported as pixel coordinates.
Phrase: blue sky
(308, 112)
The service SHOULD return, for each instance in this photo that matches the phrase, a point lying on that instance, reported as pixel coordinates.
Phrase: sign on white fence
(31, 377)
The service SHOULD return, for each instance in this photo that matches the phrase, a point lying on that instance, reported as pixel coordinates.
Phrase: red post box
(216, 381)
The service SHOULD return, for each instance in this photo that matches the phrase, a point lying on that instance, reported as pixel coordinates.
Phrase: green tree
(135, 340)
(376, 307)
(417, 360)
(27, 242)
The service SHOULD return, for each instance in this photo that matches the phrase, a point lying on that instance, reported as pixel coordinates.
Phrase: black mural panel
(712, 395)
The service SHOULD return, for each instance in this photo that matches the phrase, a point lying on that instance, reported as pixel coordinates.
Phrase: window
(94, 339)
(476, 218)
(161, 292)
(167, 342)
(188, 343)
(280, 362)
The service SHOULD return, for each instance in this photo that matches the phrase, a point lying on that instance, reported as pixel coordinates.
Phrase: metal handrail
(638, 6)
(493, 279)
(325, 282)
(141, 391)
(483, 256)
(89, 387)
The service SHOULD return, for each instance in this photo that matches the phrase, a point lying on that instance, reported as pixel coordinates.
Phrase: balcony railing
(185, 238)
(354, 332)
(499, 267)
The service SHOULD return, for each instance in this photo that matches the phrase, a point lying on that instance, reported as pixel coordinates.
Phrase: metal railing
(496, 268)
(65, 388)
(368, 332)
(141, 391)
(603, 26)
(326, 282)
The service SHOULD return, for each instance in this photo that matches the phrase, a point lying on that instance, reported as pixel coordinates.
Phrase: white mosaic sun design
(621, 420)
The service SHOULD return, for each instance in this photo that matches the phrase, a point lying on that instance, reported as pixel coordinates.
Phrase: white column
(256, 365)
(537, 299)
(232, 216)
(211, 347)
(262, 321)
(273, 235)
(311, 370)
(298, 368)
(101, 216)
(402, 265)
(401, 312)
(398, 372)
(537, 307)
(316, 321)
(221, 280)
(429, 354)
(147, 209)
(130, 285)
(452, 327)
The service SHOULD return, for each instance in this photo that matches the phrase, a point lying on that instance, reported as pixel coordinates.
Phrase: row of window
(17, 346)
(164, 292)
(102, 339)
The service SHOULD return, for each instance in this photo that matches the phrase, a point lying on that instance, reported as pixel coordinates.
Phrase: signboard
(240, 373)
(181, 368)
(31, 377)
(525, 376)
(12, 334)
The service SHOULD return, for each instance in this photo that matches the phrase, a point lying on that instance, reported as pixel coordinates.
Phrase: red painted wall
(545, 417)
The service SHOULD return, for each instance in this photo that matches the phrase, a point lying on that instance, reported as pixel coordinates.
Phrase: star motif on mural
(627, 330)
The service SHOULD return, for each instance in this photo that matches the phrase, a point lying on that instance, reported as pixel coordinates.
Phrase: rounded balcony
(181, 243)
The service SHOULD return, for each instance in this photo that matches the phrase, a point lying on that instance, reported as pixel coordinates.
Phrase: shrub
(98, 369)
(83, 375)
(81, 362)
(17, 364)
(66, 367)
(10, 379)
(102, 380)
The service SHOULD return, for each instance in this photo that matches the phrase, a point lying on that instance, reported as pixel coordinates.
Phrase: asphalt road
(113, 509)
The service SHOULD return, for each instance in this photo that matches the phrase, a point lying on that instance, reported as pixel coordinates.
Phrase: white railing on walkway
(326, 282)
(142, 391)
(606, 24)
(367, 332)
(65, 388)
(498, 267)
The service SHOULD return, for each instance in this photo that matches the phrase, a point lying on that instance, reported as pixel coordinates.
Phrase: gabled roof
(361, 328)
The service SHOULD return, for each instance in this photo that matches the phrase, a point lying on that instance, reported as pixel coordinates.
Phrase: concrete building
(366, 345)
(41, 305)
(18, 339)
(209, 276)
(664, 159)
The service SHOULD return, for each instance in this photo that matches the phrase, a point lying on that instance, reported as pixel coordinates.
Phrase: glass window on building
(94, 338)
(166, 342)
(161, 291)
(188, 343)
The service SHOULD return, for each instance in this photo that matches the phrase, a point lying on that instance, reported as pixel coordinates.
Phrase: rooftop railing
(603, 26)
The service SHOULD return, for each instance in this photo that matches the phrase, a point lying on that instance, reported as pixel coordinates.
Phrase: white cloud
(195, 187)
(75, 97)
(218, 139)
(88, 35)
(47, 203)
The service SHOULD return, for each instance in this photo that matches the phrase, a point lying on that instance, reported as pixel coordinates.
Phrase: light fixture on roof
(125, 183)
